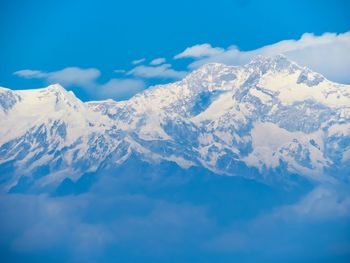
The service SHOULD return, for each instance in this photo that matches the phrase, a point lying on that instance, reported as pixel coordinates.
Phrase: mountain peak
(212, 65)
(56, 88)
(212, 68)
(211, 72)
(259, 64)
(278, 63)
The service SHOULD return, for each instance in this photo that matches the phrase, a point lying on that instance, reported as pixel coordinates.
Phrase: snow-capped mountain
(268, 120)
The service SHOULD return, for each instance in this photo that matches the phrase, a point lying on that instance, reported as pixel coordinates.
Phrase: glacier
(270, 120)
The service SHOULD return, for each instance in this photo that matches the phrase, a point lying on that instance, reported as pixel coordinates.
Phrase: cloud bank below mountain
(171, 219)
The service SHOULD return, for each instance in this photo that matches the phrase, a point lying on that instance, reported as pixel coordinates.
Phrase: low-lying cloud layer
(184, 219)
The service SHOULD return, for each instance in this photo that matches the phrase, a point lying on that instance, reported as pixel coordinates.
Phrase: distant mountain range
(270, 120)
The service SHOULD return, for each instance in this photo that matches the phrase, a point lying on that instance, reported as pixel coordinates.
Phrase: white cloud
(29, 74)
(86, 79)
(200, 51)
(157, 61)
(71, 76)
(138, 61)
(162, 71)
(120, 88)
(74, 76)
(324, 201)
(328, 54)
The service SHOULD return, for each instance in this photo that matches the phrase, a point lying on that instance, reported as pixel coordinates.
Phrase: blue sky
(106, 36)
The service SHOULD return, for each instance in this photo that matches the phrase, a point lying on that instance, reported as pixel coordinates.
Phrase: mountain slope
(268, 120)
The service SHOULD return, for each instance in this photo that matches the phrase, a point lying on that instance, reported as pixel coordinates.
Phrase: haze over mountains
(270, 120)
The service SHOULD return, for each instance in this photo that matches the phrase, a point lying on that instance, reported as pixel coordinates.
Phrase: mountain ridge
(269, 117)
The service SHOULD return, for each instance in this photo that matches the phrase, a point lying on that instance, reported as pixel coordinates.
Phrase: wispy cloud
(327, 54)
(157, 61)
(71, 76)
(87, 80)
(200, 51)
(325, 201)
(138, 61)
(120, 88)
(162, 71)
(30, 74)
